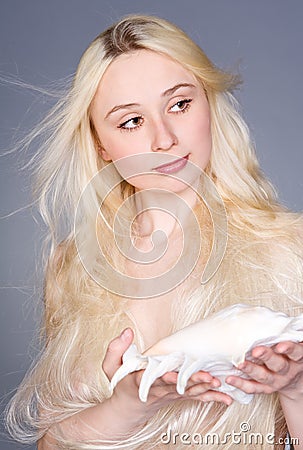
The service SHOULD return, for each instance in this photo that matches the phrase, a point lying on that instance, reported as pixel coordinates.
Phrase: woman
(145, 104)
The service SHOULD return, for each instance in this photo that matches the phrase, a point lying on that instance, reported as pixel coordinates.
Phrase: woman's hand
(162, 392)
(275, 369)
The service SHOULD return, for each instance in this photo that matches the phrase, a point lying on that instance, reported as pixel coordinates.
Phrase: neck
(163, 210)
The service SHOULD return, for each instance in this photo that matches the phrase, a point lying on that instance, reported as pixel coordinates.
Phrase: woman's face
(147, 104)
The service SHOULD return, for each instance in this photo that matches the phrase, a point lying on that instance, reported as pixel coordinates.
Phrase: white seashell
(216, 345)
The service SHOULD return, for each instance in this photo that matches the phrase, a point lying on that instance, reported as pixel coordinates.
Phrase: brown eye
(181, 105)
(132, 123)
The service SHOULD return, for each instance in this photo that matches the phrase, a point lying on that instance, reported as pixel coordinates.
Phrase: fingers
(170, 377)
(277, 369)
(277, 359)
(113, 357)
(292, 350)
(263, 377)
(199, 383)
(269, 358)
(200, 387)
(163, 391)
(201, 377)
(201, 380)
(213, 396)
(197, 388)
(250, 386)
(197, 379)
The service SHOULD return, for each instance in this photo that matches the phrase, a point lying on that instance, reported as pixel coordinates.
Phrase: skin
(163, 391)
(156, 122)
(167, 113)
(277, 369)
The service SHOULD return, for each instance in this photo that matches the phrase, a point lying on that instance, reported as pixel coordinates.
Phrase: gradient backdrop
(41, 42)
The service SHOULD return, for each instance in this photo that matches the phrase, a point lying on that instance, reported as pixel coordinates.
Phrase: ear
(103, 153)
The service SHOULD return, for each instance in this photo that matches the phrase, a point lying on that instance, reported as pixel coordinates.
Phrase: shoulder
(269, 236)
(264, 265)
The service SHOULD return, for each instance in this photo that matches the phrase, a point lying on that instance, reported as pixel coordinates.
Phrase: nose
(163, 137)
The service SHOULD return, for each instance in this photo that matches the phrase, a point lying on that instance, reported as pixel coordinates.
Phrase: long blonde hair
(68, 376)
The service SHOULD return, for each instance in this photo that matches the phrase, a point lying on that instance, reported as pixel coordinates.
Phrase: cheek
(199, 134)
(124, 143)
(202, 126)
(117, 148)
(204, 133)
(201, 141)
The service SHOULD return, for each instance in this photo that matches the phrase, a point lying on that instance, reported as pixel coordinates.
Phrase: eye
(131, 124)
(181, 105)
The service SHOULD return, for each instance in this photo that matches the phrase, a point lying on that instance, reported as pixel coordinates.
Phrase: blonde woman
(146, 103)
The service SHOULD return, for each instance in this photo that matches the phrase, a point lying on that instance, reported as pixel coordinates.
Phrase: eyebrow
(175, 88)
(116, 108)
(166, 93)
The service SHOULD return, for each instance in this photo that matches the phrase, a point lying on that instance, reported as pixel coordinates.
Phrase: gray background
(41, 41)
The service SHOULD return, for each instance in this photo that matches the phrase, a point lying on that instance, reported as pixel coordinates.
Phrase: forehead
(142, 71)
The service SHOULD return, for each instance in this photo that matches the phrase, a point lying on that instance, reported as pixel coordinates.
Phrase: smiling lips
(174, 166)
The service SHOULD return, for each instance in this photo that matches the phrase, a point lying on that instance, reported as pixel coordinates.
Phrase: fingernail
(125, 334)
(206, 379)
(259, 353)
(282, 349)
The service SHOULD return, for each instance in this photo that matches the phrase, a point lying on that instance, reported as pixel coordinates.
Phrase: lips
(174, 166)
